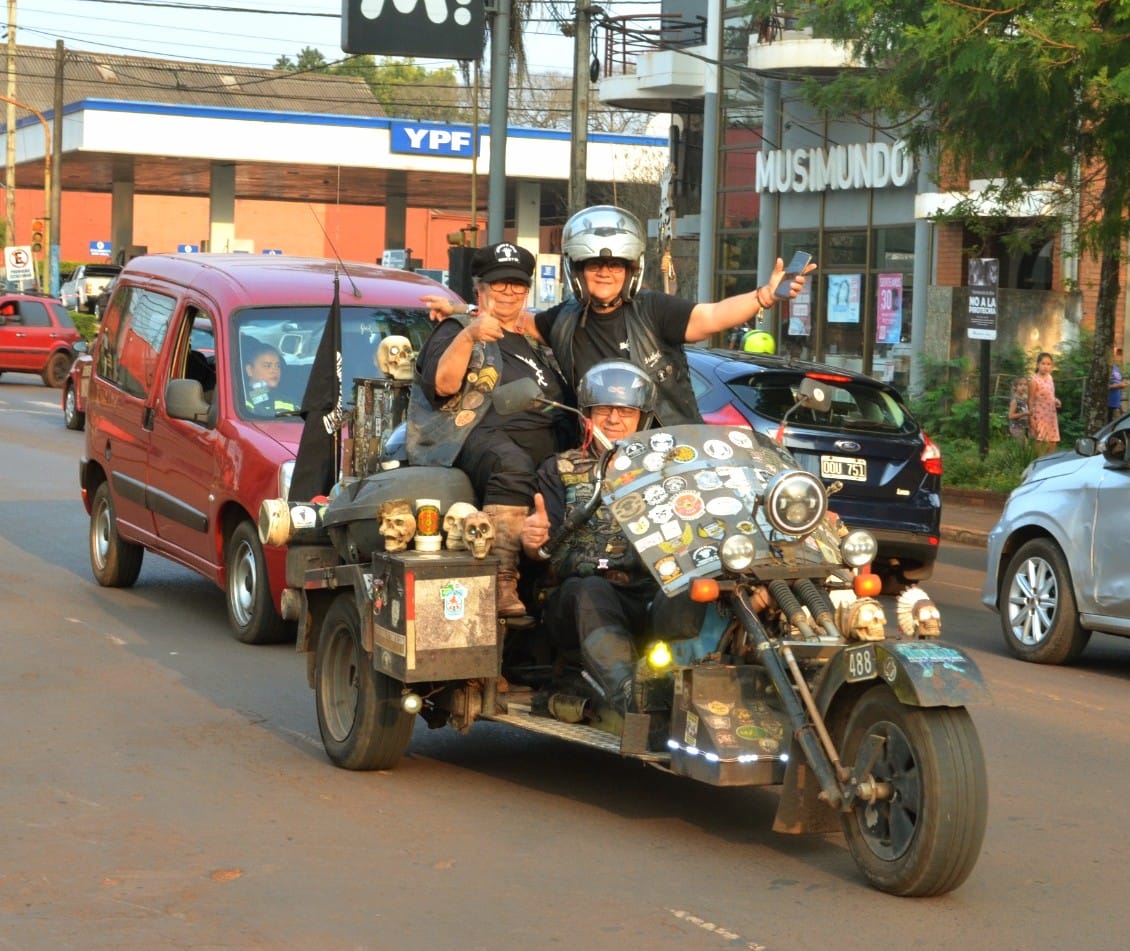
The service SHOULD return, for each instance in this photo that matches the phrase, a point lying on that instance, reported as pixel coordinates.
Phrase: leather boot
(508, 522)
(609, 657)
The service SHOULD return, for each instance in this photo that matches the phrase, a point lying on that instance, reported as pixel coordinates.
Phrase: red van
(183, 444)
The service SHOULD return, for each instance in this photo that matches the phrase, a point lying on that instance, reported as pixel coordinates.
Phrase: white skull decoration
(453, 525)
(478, 534)
(398, 524)
(395, 356)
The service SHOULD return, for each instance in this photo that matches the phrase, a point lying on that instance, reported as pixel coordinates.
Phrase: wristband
(760, 302)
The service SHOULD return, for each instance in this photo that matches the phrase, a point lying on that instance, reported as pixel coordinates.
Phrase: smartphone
(801, 260)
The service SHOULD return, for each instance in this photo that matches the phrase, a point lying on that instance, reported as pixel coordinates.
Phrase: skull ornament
(453, 525)
(395, 356)
(478, 534)
(398, 524)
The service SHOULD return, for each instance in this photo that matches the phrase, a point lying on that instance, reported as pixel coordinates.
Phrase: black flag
(316, 465)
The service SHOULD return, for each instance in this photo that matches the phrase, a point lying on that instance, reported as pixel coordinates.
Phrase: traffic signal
(37, 236)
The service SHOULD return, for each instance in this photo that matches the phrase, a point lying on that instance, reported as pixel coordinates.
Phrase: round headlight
(858, 548)
(795, 502)
(737, 552)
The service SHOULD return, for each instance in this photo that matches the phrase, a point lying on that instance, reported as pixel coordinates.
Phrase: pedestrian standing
(1117, 385)
(1043, 407)
(1018, 410)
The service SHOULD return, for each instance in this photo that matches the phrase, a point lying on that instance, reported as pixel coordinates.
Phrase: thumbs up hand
(535, 530)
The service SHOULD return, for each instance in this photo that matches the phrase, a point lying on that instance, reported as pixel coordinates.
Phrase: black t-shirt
(605, 336)
(519, 360)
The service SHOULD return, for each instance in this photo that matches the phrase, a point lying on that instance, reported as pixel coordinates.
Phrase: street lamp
(46, 180)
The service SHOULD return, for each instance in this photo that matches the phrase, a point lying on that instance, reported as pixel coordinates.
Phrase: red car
(37, 335)
(183, 444)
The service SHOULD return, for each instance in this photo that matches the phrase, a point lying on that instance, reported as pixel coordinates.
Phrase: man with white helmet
(610, 317)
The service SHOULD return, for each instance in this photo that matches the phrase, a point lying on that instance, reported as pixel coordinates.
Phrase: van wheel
(72, 416)
(359, 713)
(55, 373)
(253, 618)
(115, 563)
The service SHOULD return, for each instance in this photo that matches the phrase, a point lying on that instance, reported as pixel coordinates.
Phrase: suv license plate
(843, 467)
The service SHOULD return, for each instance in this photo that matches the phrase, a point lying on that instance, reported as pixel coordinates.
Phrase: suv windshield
(855, 406)
(276, 348)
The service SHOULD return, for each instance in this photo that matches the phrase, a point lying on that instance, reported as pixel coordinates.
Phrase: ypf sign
(437, 29)
(422, 138)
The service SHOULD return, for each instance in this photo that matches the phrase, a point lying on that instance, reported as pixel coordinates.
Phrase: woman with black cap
(451, 420)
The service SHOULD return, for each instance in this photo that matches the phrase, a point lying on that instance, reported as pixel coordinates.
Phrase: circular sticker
(684, 454)
(639, 526)
(654, 494)
(704, 555)
(662, 442)
(621, 463)
(473, 400)
(629, 507)
(662, 513)
(675, 484)
(717, 449)
(724, 505)
(738, 438)
(667, 568)
(653, 461)
(464, 417)
(633, 449)
(688, 505)
(707, 479)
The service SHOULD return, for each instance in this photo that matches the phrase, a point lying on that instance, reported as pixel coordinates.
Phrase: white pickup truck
(81, 289)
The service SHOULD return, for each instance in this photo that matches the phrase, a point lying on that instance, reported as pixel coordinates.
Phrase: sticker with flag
(316, 465)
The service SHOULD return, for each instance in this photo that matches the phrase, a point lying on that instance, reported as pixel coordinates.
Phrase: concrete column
(527, 204)
(396, 211)
(768, 245)
(121, 219)
(221, 209)
(923, 277)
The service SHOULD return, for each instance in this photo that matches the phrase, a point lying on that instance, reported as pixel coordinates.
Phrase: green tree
(1034, 93)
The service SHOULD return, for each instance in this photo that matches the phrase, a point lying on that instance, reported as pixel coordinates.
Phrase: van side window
(131, 339)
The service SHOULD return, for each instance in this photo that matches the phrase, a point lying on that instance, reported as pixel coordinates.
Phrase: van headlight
(795, 502)
(859, 548)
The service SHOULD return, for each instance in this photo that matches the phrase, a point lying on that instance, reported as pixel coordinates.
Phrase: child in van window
(262, 369)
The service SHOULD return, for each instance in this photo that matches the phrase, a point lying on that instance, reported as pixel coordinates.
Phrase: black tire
(72, 416)
(925, 838)
(115, 563)
(253, 616)
(1039, 619)
(359, 713)
(55, 372)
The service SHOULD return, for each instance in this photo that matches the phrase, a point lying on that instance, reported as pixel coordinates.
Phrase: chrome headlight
(859, 548)
(795, 502)
(737, 552)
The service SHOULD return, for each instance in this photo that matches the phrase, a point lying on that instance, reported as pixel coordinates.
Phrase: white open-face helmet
(603, 231)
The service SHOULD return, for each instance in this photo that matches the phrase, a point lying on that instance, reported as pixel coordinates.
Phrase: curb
(965, 536)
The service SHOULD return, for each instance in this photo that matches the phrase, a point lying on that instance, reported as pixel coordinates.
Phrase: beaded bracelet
(760, 302)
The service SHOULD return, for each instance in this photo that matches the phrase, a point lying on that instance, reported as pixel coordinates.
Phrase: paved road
(163, 787)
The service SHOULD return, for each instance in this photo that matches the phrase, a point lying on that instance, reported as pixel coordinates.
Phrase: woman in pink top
(1043, 421)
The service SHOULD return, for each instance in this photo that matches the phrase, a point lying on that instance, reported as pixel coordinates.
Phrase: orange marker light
(704, 590)
(867, 585)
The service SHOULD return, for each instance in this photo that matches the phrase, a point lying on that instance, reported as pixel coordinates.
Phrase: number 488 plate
(861, 663)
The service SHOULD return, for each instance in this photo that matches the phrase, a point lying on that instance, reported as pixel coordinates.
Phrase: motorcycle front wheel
(924, 837)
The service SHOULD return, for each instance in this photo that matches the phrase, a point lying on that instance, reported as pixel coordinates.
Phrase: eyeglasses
(516, 286)
(599, 264)
(624, 412)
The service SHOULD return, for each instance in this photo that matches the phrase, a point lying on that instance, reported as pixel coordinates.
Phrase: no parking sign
(18, 264)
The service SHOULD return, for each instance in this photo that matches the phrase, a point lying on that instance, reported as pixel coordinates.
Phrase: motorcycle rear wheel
(359, 714)
(926, 837)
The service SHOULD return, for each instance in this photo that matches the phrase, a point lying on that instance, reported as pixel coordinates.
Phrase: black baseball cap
(503, 262)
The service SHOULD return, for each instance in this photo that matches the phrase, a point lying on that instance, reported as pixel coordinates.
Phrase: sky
(237, 32)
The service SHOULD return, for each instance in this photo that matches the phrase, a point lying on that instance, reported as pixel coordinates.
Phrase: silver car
(1057, 566)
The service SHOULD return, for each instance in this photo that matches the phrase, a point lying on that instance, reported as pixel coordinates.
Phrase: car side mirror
(184, 399)
(1086, 446)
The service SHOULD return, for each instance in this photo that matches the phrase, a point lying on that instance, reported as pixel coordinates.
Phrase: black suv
(868, 441)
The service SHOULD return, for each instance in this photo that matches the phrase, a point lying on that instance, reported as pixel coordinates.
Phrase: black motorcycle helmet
(617, 383)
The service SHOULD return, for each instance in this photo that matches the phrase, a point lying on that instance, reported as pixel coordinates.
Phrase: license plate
(861, 663)
(843, 467)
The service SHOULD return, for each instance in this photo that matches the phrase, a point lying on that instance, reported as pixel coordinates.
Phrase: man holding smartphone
(611, 318)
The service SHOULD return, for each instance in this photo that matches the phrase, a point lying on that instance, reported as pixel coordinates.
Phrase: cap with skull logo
(503, 262)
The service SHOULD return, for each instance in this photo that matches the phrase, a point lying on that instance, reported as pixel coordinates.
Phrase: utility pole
(10, 127)
(54, 214)
(579, 143)
(499, 120)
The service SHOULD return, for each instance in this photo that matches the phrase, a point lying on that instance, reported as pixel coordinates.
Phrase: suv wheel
(1039, 619)
(58, 366)
(253, 618)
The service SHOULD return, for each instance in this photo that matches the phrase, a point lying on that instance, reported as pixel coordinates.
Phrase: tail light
(728, 415)
(931, 456)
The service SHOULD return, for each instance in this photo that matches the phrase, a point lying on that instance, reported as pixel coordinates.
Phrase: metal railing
(628, 37)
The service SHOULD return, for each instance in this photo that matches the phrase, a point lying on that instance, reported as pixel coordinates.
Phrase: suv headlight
(795, 502)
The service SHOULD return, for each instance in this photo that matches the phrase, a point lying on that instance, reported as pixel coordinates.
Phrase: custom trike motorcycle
(768, 658)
